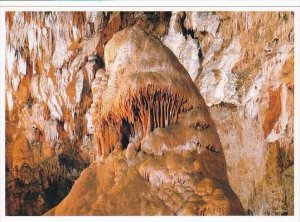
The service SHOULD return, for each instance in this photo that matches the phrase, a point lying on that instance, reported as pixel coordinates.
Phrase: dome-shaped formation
(159, 150)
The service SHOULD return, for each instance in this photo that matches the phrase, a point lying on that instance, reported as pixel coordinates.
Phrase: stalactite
(146, 110)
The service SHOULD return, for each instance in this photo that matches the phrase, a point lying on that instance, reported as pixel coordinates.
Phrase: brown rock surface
(176, 175)
(243, 65)
(241, 62)
(51, 61)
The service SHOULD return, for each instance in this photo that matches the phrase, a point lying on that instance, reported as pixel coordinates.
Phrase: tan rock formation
(47, 77)
(241, 62)
(243, 65)
(179, 167)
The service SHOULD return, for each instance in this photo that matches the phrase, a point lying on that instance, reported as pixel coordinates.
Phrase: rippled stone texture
(159, 152)
(241, 62)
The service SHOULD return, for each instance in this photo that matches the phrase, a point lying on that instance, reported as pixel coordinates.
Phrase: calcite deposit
(74, 102)
(159, 149)
(246, 77)
(51, 62)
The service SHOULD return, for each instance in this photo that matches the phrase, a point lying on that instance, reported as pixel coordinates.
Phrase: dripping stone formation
(158, 149)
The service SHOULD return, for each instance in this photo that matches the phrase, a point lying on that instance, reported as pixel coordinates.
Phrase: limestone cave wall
(241, 62)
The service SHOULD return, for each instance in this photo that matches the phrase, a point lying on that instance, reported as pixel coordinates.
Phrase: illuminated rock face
(159, 150)
(50, 64)
(241, 62)
(246, 78)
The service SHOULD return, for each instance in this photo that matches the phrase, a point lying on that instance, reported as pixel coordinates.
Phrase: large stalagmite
(159, 152)
(241, 62)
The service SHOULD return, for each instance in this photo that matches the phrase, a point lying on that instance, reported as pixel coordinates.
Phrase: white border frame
(147, 3)
(261, 5)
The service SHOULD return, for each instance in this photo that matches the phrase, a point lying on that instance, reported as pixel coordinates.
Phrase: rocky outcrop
(51, 62)
(50, 66)
(241, 62)
(245, 72)
(144, 163)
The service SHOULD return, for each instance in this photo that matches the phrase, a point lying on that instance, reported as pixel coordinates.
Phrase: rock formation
(159, 149)
(244, 64)
(49, 71)
(241, 62)
(51, 61)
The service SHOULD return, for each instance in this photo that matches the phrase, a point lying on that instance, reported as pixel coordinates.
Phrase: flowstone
(158, 149)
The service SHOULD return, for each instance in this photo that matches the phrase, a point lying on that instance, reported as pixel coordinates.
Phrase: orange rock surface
(176, 164)
(65, 80)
